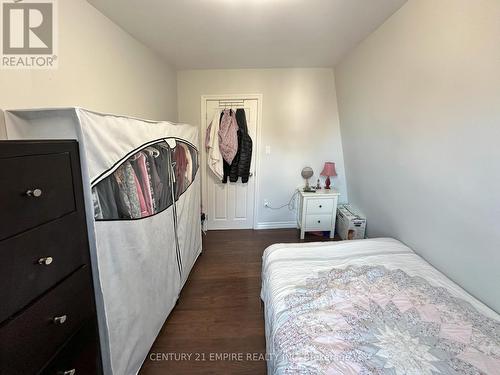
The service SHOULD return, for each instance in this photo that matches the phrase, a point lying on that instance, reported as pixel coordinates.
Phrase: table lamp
(328, 171)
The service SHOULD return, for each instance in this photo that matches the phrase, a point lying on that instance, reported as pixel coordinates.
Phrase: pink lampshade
(329, 170)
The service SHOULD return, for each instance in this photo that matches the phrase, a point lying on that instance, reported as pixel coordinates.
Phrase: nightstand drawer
(319, 206)
(319, 222)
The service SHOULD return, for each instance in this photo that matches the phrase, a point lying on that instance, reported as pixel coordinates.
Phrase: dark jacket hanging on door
(244, 147)
(233, 168)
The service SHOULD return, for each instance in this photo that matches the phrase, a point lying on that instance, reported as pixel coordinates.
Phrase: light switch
(268, 150)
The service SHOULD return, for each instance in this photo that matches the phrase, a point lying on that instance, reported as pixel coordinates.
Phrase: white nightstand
(317, 211)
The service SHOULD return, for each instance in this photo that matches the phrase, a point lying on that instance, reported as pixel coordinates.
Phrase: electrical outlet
(266, 203)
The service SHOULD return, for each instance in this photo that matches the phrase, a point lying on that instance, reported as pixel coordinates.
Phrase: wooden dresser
(48, 319)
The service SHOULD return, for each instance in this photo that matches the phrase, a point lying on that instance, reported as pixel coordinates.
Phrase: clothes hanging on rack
(194, 160)
(156, 182)
(141, 186)
(240, 167)
(140, 196)
(214, 156)
(107, 201)
(141, 169)
(234, 155)
(189, 167)
(181, 162)
(125, 178)
(245, 146)
(228, 135)
(227, 170)
(226, 166)
(164, 196)
(97, 205)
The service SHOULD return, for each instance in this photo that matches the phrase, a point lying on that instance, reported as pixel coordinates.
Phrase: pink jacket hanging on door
(228, 135)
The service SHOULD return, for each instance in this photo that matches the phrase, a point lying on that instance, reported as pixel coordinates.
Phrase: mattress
(371, 307)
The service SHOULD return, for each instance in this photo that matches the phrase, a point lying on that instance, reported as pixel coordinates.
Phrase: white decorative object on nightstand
(317, 211)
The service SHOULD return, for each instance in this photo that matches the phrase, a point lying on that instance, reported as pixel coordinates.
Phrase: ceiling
(203, 34)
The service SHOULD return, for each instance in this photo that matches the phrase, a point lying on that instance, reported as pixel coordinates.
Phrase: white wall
(419, 105)
(299, 123)
(101, 67)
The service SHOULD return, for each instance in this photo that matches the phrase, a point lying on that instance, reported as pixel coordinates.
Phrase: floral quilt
(371, 306)
(374, 320)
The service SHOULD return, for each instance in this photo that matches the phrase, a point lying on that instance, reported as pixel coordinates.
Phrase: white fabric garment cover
(136, 274)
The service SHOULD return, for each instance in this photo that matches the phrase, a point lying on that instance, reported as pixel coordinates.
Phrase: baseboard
(276, 225)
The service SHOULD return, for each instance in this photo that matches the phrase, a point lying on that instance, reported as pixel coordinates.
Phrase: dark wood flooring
(219, 313)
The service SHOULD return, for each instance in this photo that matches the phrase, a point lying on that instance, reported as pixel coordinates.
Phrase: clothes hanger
(152, 151)
(164, 145)
(135, 156)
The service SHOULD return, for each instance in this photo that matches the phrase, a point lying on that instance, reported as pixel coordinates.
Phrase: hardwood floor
(218, 325)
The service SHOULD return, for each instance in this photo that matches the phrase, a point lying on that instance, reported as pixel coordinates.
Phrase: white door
(230, 205)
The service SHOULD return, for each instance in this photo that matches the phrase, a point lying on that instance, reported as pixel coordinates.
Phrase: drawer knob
(45, 261)
(320, 206)
(34, 193)
(67, 372)
(60, 319)
(319, 221)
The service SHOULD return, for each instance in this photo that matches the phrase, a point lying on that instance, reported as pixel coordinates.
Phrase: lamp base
(327, 183)
(308, 188)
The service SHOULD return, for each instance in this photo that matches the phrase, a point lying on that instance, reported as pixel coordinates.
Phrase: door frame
(255, 147)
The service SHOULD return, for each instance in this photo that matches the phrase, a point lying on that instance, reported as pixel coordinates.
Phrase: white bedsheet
(286, 268)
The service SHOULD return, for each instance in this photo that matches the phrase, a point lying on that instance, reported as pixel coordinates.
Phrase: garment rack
(231, 104)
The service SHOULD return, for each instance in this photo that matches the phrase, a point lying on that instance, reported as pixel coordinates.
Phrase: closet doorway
(230, 205)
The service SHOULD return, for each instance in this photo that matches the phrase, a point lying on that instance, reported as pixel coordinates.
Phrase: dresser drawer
(80, 355)
(29, 341)
(319, 206)
(319, 222)
(33, 262)
(35, 190)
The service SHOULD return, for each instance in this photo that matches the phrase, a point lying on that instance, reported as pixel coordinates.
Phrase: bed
(371, 307)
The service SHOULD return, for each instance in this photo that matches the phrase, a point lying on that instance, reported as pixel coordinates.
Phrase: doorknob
(251, 174)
